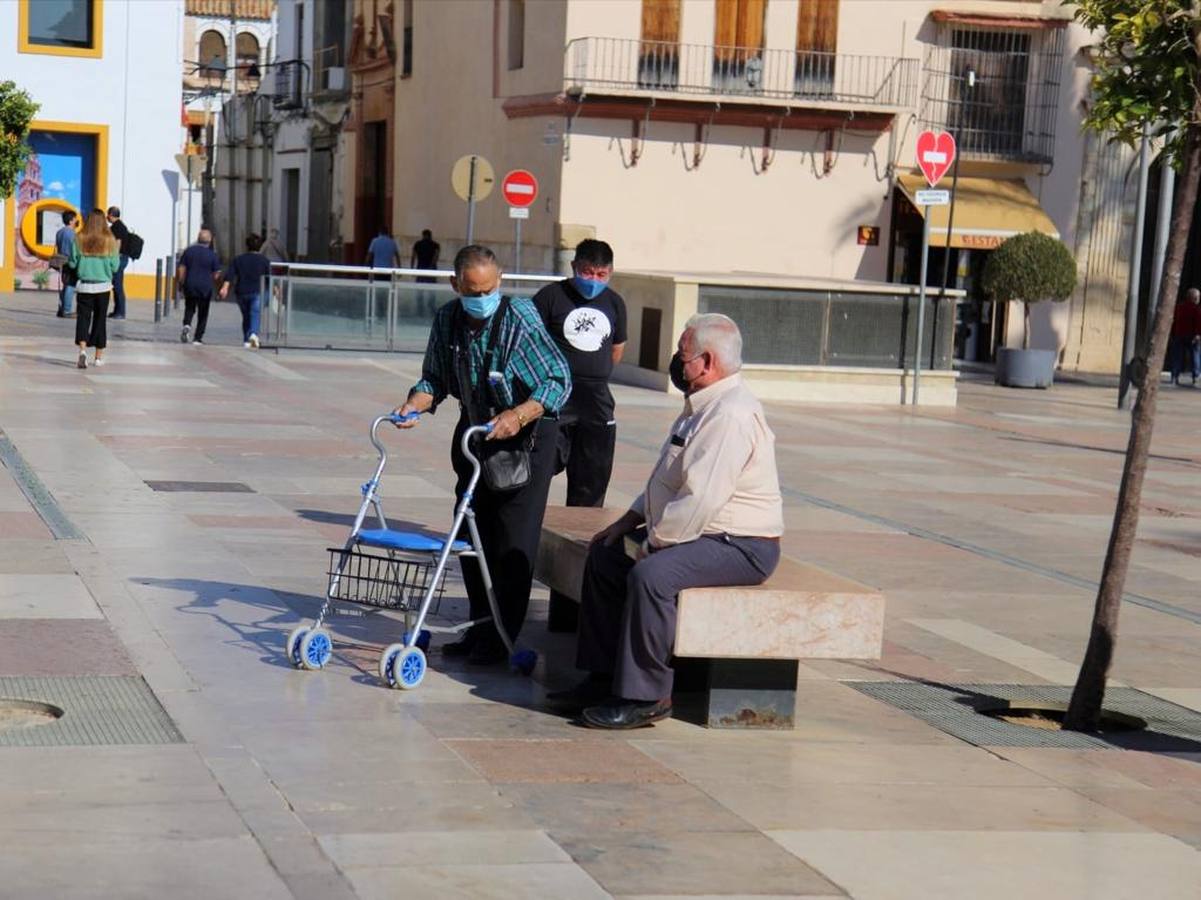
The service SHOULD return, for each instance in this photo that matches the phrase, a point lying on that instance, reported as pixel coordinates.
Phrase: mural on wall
(61, 167)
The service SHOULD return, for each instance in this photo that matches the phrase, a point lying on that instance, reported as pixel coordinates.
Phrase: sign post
(520, 190)
(472, 178)
(935, 153)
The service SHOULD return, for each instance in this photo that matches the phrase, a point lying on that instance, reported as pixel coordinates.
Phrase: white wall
(134, 89)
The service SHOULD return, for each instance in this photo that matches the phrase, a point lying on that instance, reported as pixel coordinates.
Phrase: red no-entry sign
(519, 188)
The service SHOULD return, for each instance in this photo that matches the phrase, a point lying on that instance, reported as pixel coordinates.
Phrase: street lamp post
(969, 83)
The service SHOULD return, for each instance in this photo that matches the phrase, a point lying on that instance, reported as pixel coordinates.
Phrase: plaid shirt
(533, 366)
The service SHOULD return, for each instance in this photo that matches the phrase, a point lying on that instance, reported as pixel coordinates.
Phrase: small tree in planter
(41, 278)
(1030, 268)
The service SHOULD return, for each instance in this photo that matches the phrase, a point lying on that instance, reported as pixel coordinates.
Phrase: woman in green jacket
(95, 260)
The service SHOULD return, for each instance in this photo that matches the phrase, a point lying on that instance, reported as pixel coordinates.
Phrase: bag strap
(497, 320)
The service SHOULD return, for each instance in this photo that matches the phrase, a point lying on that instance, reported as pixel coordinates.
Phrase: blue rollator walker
(397, 579)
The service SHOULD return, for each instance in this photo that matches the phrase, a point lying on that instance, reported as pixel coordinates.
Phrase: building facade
(110, 141)
(227, 46)
(757, 136)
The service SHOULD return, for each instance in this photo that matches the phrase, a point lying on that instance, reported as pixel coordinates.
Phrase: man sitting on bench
(713, 516)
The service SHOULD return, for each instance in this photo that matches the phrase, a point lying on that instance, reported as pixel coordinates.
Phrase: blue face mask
(481, 307)
(589, 288)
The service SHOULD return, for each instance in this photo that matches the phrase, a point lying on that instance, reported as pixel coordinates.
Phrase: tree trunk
(1084, 712)
(1025, 326)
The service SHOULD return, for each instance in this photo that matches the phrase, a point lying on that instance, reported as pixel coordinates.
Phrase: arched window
(247, 48)
(213, 59)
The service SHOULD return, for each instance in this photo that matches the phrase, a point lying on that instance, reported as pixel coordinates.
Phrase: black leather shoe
(460, 648)
(623, 714)
(589, 692)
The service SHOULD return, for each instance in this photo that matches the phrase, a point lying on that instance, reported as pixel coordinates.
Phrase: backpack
(134, 245)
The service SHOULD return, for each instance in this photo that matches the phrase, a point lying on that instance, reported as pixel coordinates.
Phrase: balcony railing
(619, 64)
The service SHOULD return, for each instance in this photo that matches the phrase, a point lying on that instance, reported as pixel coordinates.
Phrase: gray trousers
(628, 609)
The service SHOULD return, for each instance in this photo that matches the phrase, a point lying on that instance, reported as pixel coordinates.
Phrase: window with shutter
(738, 45)
(816, 44)
(659, 53)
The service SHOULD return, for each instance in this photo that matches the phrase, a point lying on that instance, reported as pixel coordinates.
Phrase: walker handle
(408, 417)
(394, 419)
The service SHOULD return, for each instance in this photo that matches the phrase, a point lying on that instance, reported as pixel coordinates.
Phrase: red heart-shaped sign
(935, 153)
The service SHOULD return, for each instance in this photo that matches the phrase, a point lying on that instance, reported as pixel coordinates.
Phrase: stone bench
(748, 639)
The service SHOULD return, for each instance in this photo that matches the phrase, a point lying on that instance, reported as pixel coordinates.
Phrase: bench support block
(745, 693)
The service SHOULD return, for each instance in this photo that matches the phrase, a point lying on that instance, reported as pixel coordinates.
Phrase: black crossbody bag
(505, 464)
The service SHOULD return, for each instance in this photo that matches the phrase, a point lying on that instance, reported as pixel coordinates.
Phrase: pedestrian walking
(197, 272)
(494, 355)
(121, 233)
(273, 247)
(246, 274)
(64, 244)
(425, 255)
(587, 319)
(95, 260)
(383, 252)
(1186, 336)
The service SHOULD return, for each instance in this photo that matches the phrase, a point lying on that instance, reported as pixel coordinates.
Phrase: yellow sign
(460, 178)
(29, 224)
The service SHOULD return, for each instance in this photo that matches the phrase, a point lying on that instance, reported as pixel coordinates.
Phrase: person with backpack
(246, 274)
(122, 234)
(95, 259)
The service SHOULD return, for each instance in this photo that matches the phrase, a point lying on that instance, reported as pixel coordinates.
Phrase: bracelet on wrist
(520, 417)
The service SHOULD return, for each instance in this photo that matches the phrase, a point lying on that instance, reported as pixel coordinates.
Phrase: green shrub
(41, 278)
(1031, 268)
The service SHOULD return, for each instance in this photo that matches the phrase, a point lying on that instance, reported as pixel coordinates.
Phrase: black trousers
(510, 526)
(91, 327)
(628, 609)
(587, 440)
(199, 304)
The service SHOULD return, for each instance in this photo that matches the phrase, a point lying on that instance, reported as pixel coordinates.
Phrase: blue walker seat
(412, 541)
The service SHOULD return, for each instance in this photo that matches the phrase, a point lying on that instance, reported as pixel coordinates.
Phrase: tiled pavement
(983, 524)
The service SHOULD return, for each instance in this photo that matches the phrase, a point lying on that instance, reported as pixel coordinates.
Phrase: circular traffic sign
(520, 188)
(460, 178)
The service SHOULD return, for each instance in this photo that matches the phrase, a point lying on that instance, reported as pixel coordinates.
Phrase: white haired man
(712, 515)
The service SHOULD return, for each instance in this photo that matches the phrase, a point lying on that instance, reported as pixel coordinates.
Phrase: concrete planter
(1025, 368)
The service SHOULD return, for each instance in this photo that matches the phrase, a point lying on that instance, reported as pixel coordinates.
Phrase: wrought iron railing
(600, 63)
(996, 90)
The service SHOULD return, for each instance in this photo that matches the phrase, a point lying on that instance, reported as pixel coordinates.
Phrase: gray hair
(473, 255)
(718, 335)
(1193, 294)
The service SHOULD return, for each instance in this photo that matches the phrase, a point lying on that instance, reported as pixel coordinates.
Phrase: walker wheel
(524, 661)
(315, 649)
(423, 640)
(408, 669)
(294, 638)
(386, 659)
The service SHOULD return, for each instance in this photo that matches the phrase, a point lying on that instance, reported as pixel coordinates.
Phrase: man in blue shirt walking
(196, 271)
(383, 252)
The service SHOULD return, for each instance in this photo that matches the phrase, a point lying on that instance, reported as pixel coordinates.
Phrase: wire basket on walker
(401, 570)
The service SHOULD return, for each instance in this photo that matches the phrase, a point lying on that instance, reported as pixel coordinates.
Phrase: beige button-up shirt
(716, 472)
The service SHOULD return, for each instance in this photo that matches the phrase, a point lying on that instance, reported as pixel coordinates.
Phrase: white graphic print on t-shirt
(586, 328)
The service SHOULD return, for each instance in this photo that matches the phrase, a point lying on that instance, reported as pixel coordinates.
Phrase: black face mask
(676, 372)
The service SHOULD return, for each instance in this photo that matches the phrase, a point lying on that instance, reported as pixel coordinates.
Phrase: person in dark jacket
(196, 273)
(121, 233)
(246, 273)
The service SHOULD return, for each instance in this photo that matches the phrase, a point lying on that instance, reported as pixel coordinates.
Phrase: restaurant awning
(987, 211)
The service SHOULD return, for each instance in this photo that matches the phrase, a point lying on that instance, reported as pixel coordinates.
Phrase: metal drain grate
(96, 710)
(952, 708)
(37, 493)
(203, 487)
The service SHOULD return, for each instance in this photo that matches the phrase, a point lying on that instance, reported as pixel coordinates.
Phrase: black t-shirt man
(585, 330)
